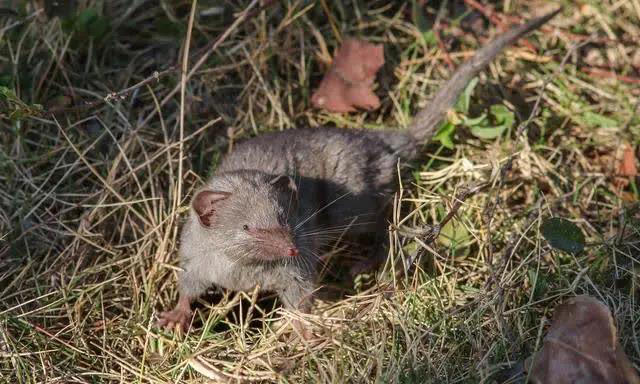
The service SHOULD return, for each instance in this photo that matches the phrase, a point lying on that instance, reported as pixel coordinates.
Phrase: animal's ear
(204, 204)
(284, 183)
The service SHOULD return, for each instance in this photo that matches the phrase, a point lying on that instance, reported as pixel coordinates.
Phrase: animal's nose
(282, 241)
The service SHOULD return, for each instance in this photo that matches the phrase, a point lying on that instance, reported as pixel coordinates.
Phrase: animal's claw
(170, 319)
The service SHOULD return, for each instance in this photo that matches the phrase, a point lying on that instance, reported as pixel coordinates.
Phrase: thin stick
(437, 28)
(183, 86)
(611, 74)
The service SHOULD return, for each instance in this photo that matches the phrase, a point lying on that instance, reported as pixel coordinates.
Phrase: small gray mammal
(263, 217)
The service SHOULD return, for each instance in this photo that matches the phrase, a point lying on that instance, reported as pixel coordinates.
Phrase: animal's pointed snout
(286, 241)
(280, 240)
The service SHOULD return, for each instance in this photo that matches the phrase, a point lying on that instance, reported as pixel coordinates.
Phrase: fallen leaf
(581, 347)
(563, 235)
(348, 83)
(627, 165)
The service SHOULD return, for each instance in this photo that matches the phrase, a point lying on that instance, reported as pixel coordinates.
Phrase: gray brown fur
(343, 178)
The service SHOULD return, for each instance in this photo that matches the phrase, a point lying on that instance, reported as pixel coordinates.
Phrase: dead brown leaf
(348, 83)
(627, 166)
(582, 347)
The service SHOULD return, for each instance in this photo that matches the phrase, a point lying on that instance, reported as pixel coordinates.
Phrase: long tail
(426, 122)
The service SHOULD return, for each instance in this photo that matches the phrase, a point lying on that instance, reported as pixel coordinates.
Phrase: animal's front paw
(170, 319)
(302, 329)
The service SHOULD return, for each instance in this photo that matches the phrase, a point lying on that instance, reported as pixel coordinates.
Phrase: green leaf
(563, 235)
(473, 121)
(423, 25)
(502, 114)
(454, 235)
(88, 23)
(429, 38)
(445, 135)
(410, 248)
(7, 93)
(86, 17)
(99, 28)
(503, 119)
(464, 100)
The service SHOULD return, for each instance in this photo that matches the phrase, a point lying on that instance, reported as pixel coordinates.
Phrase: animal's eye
(245, 227)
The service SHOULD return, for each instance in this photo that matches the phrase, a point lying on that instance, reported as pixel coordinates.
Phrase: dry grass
(91, 200)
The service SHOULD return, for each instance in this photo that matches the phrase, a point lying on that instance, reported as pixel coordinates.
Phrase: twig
(183, 86)
(486, 13)
(437, 27)
(120, 95)
(332, 21)
(430, 233)
(611, 74)
(493, 17)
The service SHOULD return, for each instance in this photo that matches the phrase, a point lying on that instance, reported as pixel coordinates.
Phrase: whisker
(336, 228)
(342, 226)
(296, 178)
(321, 209)
(305, 261)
